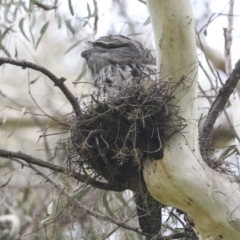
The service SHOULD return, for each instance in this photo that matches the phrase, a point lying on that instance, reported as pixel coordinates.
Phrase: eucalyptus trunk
(181, 178)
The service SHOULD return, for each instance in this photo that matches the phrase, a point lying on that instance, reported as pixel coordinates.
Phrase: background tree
(119, 206)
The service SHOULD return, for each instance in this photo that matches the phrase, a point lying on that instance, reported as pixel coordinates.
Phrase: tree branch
(227, 33)
(82, 178)
(91, 212)
(59, 82)
(101, 216)
(216, 109)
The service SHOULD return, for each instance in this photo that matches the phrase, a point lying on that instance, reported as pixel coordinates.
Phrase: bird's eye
(113, 44)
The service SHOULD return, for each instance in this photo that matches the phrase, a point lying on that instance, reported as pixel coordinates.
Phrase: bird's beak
(86, 53)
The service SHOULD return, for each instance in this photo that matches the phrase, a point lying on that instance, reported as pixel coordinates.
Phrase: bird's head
(116, 50)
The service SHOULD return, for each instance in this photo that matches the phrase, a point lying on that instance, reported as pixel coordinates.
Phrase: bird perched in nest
(116, 61)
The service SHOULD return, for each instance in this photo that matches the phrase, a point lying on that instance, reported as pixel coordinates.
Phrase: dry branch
(59, 82)
(38, 162)
(216, 109)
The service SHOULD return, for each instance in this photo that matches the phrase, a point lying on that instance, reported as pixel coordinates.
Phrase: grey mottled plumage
(114, 62)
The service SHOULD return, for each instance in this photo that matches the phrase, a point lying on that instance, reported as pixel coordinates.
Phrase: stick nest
(114, 137)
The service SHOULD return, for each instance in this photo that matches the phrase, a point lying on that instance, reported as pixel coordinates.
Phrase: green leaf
(106, 205)
(30, 7)
(69, 26)
(32, 36)
(22, 115)
(17, 9)
(135, 34)
(6, 14)
(33, 21)
(42, 31)
(15, 52)
(85, 23)
(148, 20)
(59, 21)
(21, 5)
(89, 11)
(74, 45)
(26, 195)
(95, 13)
(70, 7)
(44, 28)
(2, 36)
(5, 51)
(82, 74)
(22, 29)
(83, 193)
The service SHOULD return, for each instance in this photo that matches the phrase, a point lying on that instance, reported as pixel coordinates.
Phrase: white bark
(181, 178)
(12, 224)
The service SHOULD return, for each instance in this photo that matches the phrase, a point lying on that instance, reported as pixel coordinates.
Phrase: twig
(178, 219)
(59, 82)
(103, 156)
(96, 214)
(82, 178)
(84, 208)
(38, 106)
(228, 38)
(45, 7)
(207, 75)
(216, 109)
